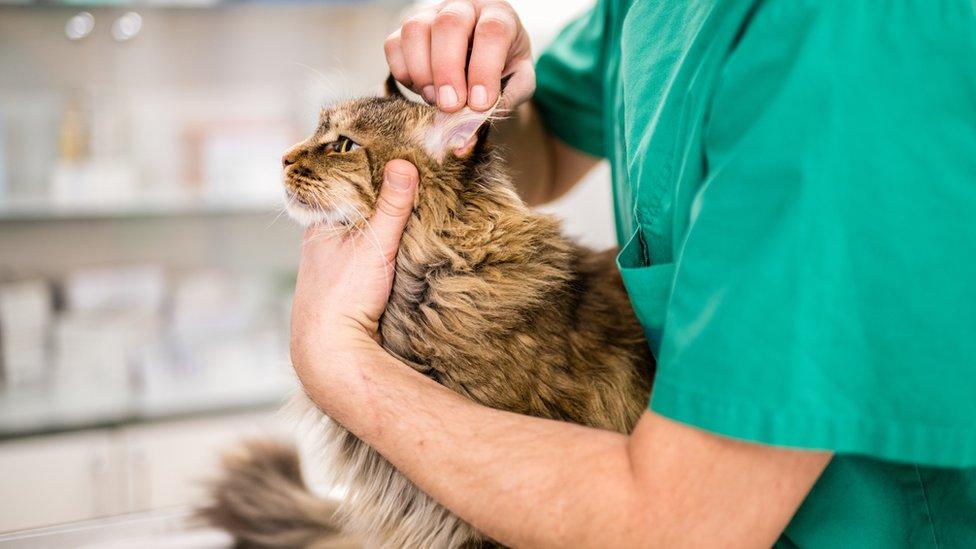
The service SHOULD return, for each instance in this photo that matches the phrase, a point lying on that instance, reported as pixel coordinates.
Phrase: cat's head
(334, 176)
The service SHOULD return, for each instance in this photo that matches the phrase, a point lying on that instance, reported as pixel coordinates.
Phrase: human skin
(428, 53)
(524, 481)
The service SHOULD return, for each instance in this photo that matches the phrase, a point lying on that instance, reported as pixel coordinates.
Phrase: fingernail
(428, 93)
(398, 181)
(446, 96)
(479, 96)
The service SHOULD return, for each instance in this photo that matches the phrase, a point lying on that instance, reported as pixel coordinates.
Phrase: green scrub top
(795, 195)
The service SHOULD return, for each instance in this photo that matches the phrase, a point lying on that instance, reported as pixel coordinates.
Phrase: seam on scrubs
(928, 507)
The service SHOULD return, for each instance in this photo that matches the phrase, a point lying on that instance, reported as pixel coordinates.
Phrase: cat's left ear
(391, 88)
(455, 133)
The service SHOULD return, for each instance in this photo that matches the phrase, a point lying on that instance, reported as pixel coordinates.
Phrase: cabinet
(167, 464)
(60, 478)
(67, 477)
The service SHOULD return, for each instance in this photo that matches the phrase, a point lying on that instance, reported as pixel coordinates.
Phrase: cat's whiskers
(375, 241)
(360, 226)
(313, 70)
(331, 208)
(371, 236)
(332, 229)
(281, 211)
(321, 232)
(323, 89)
(327, 230)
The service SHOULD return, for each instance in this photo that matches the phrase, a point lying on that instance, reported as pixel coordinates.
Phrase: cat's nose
(287, 159)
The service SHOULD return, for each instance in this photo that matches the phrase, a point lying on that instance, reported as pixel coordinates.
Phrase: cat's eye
(342, 145)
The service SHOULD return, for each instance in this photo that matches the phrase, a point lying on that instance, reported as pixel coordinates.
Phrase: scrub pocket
(649, 287)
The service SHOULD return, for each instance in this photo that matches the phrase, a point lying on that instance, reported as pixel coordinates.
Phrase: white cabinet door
(59, 478)
(169, 463)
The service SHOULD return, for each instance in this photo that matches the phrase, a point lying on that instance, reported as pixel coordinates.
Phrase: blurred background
(145, 266)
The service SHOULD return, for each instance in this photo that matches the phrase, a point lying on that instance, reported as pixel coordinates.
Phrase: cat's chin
(307, 217)
(307, 214)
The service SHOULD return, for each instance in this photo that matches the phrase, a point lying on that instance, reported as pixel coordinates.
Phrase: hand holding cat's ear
(455, 54)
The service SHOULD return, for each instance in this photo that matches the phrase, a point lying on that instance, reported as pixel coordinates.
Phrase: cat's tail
(262, 500)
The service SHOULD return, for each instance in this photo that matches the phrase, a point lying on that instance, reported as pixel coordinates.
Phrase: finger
(415, 43)
(394, 205)
(394, 58)
(521, 86)
(494, 33)
(449, 38)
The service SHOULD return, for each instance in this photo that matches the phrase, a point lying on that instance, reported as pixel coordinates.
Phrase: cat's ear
(456, 132)
(391, 88)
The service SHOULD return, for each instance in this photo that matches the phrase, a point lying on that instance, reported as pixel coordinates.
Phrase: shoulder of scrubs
(570, 77)
(825, 291)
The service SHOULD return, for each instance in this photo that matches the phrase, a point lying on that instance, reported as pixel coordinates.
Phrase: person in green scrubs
(795, 188)
(795, 199)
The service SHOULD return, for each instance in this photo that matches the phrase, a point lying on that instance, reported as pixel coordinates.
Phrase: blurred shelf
(41, 210)
(29, 413)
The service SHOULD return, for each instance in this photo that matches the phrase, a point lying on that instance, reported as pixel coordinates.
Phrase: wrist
(322, 333)
(352, 386)
(332, 363)
(324, 347)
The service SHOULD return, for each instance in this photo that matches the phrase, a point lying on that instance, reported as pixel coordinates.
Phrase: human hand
(429, 54)
(344, 280)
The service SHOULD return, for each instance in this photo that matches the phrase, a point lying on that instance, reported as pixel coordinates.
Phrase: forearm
(528, 153)
(524, 481)
(543, 168)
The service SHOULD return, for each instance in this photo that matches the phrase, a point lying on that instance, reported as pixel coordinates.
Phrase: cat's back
(610, 361)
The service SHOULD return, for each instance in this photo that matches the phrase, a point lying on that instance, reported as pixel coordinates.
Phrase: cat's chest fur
(465, 292)
(494, 303)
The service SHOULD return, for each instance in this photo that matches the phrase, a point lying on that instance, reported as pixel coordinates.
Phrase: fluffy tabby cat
(489, 299)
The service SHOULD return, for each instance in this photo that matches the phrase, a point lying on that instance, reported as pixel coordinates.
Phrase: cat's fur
(489, 299)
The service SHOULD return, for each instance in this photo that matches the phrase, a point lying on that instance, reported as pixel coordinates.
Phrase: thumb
(394, 204)
(520, 86)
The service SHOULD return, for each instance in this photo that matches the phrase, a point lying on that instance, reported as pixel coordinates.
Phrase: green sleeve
(570, 77)
(825, 291)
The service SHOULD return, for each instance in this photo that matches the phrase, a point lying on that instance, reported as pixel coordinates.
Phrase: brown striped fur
(489, 299)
